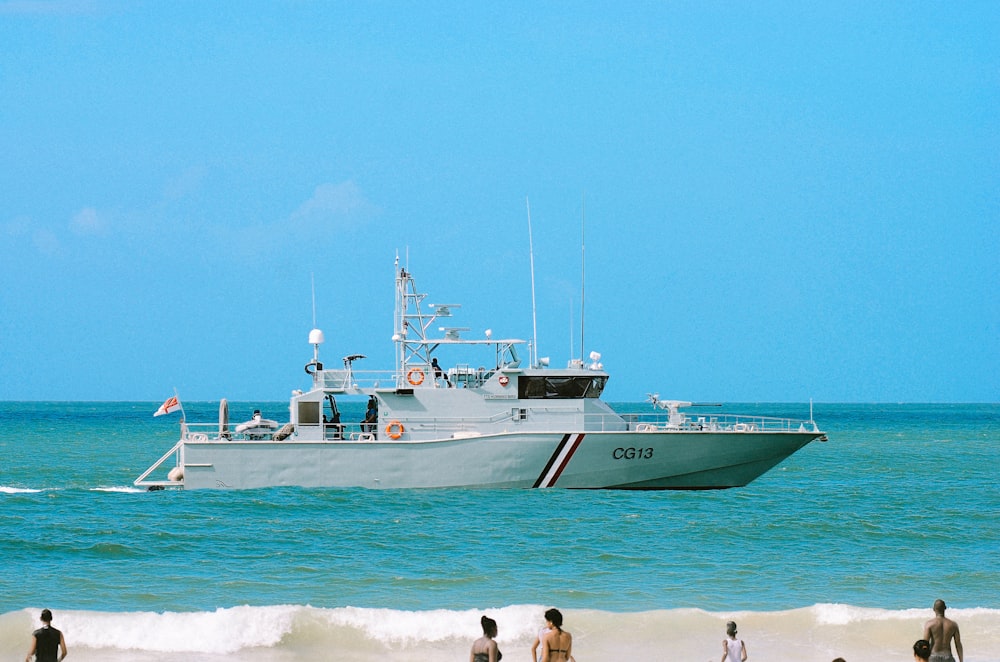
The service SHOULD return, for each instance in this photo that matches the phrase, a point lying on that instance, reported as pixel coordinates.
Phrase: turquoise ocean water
(838, 551)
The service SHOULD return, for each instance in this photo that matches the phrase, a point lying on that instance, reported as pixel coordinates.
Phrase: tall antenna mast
(583, 270)
(312, 281)
(534, 319)
(572, 351)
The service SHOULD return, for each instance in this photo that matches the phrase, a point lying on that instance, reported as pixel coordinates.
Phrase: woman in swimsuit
(558, 645)
(485, 649)
(921, 651)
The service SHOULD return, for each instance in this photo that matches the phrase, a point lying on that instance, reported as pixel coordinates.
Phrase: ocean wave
(280, 632)
(127, 489)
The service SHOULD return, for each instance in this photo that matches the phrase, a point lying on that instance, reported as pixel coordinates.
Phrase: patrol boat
(503, 426)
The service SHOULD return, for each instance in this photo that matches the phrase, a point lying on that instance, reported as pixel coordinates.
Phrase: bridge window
(309, 413)
(560, 387)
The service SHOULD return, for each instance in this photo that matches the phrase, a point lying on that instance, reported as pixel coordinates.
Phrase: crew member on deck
(370, 424)
(438, 372)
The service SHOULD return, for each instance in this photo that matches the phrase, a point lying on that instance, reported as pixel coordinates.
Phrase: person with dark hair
(921, 651)
(939, 632)
(438, 372)
(558, 644)
(485, 649)
(839, 659)
(48, 642)
(370, 424)
(733, 649)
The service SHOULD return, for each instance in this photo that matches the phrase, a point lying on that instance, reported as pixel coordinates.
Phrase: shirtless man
(939, 631)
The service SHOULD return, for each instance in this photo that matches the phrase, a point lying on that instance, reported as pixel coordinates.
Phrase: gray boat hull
(609, 460)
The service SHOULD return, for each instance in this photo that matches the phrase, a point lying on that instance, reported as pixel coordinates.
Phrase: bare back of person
(485, 649)
(940, 632)
(558, 646)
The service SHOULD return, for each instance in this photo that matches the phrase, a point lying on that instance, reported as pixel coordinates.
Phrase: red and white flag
(171, 405)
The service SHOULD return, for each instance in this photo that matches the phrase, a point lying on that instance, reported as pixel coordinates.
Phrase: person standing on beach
(542, 632)
(733, 649)
(558, 644)
(921, 651)
(47, 642)
(485, 649)
(940, 631)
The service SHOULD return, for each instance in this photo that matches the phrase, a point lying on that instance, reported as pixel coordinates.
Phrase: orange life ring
(395, 430)
(415, 376)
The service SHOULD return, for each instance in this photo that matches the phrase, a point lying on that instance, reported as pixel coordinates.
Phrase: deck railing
(717, 423)
(415, 376)
(546, 417)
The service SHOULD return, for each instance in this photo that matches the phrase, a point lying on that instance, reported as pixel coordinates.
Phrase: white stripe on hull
(561, 457)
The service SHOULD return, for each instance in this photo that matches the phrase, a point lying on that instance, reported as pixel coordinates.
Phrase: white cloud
(24, 230)
(334, 202)
(87, 221)
(331, 210)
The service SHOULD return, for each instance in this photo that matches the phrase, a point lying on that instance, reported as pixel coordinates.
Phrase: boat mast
(399, 320)
(413, 345)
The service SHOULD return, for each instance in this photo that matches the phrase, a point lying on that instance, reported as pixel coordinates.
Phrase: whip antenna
(572, 350)
(531, 259)
(312, 282)
(583, 269)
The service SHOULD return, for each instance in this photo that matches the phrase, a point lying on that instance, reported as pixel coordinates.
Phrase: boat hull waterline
(541, 460)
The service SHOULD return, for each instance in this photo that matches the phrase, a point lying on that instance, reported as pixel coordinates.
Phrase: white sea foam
(5, 489)
(287, 632)
(220, 631)
(839, 614)
(403, 628)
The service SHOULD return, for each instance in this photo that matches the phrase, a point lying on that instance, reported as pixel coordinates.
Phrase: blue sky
(783, 201)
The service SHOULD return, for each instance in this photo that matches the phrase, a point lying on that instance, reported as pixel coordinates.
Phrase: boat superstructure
(490, 422)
